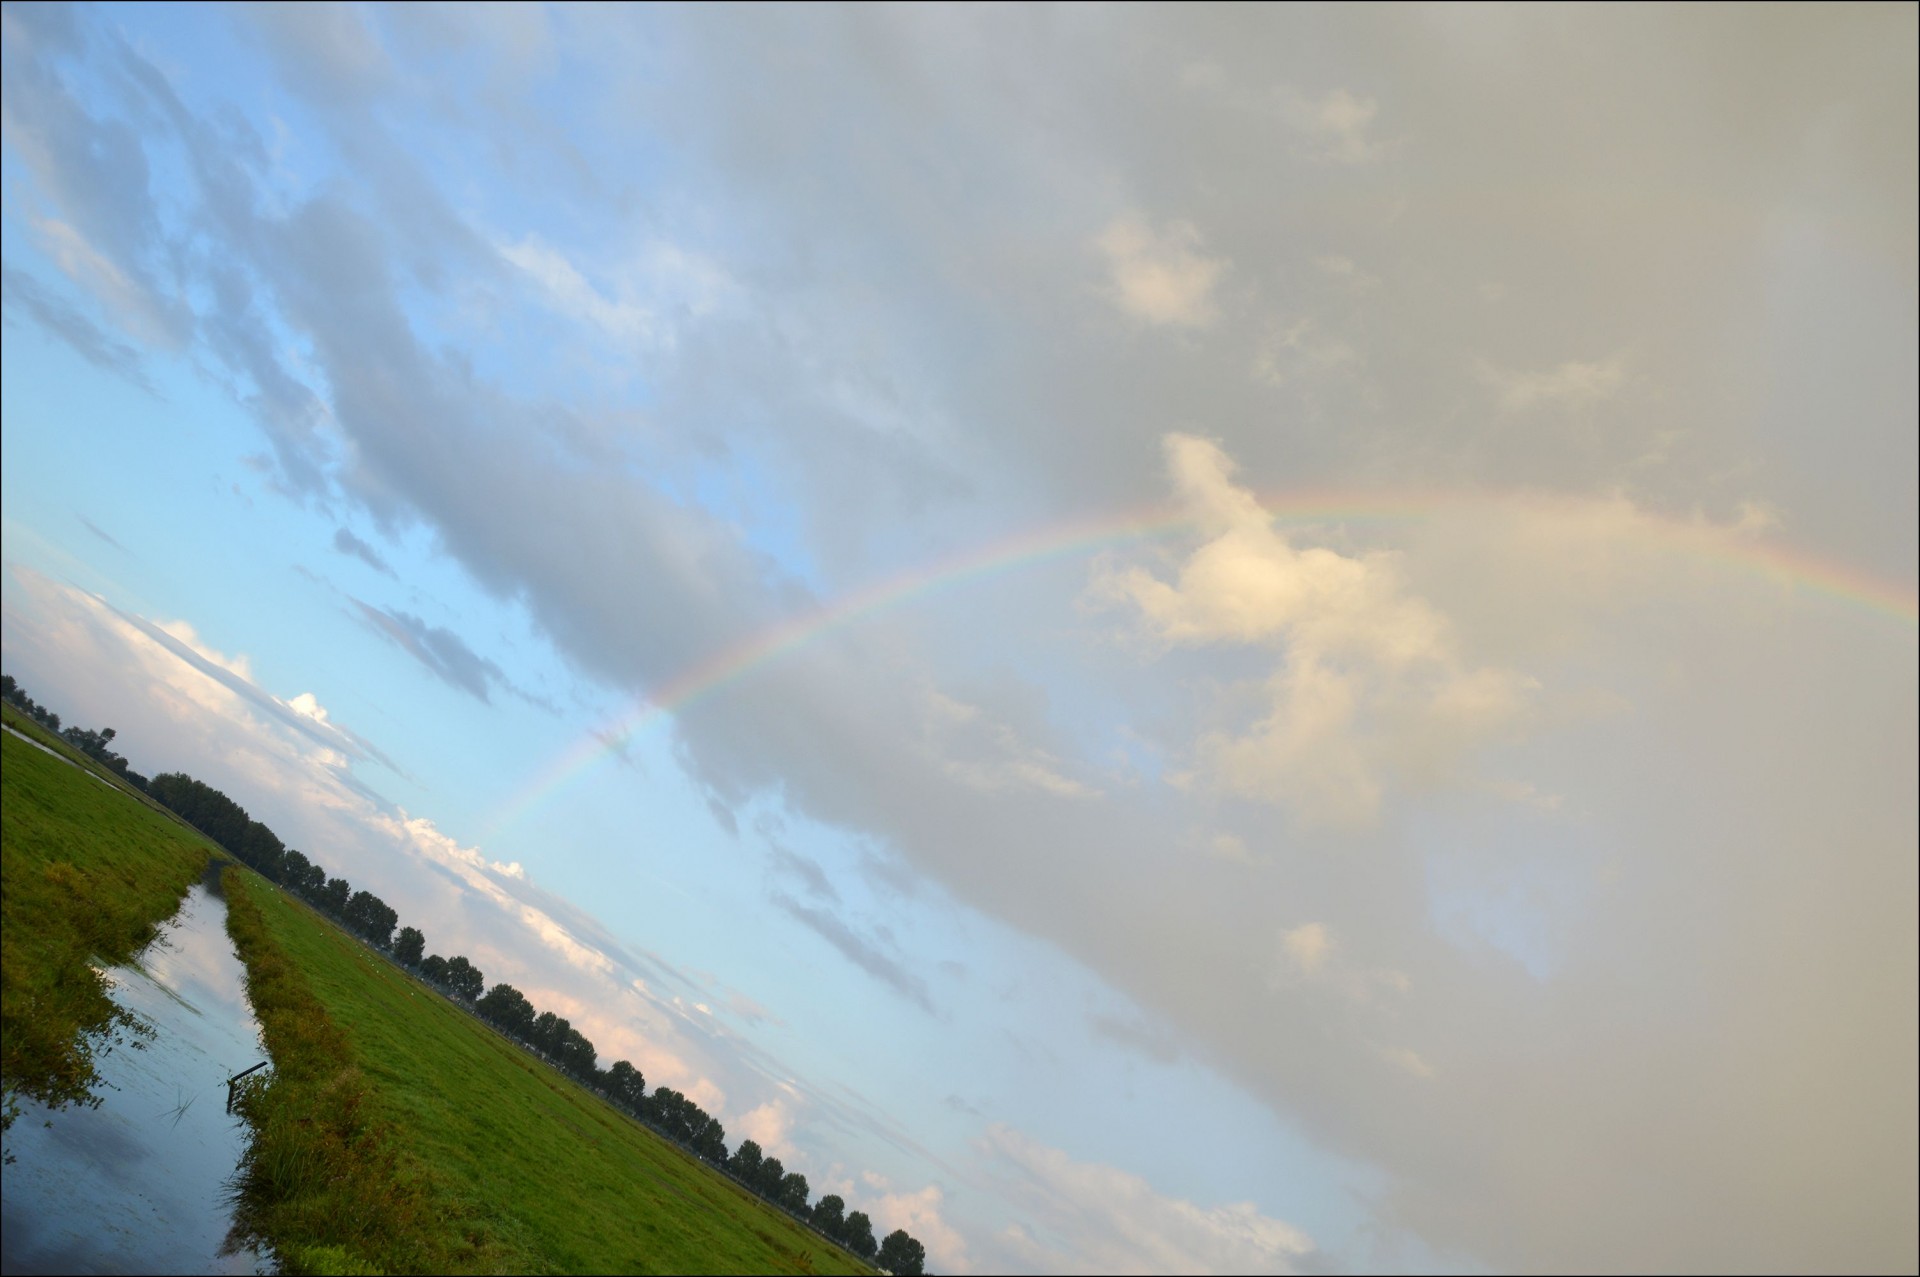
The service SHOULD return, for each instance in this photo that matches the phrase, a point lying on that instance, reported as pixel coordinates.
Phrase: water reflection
(137, 1185)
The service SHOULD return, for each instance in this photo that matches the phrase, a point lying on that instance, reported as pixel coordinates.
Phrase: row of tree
(552, 1037)
(92, 743)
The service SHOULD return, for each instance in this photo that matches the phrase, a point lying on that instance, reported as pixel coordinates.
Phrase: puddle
(138, 1185)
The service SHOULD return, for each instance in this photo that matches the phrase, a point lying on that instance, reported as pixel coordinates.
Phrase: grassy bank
(459, 1151)
(86, 877)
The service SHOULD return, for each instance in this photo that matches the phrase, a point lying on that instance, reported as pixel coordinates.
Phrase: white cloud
(1573, 384)
(1370, 682)
(1302, 349)
(643, 298)
(1407, 1060)
(990, 756)
(1307, 945)
(920, 1213)
(1160, 277)
(1336, 127)
(770, 1126)
(1087, 1217)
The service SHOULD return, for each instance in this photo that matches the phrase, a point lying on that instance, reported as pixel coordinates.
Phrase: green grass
(497, 1161)
(395, 1133)
(85, 881)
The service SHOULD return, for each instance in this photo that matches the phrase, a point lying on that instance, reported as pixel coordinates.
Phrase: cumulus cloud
(1090, 1218)
(921, 1213)
(1370, 683)
(1161, 277)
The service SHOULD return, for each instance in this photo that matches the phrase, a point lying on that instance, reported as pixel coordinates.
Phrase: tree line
(91, 743)
(504, 1007)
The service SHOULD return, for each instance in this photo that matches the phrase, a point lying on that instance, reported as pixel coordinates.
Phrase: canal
(139, 1184)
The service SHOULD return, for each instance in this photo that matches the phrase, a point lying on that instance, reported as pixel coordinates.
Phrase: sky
(1160, 639)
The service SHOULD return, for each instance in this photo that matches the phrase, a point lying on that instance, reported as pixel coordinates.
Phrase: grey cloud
(1156, 1044)
(979, 380)
(94, 528)
(22, 293)
(439, 649)
(858, 950)
(347, 543)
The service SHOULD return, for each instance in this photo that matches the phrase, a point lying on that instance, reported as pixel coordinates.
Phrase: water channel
(138, 1185)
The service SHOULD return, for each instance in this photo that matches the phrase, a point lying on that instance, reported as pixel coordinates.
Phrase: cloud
(1335, 127)
(1160, 277)
(1370, 684)
(437, 648)
(1307, 945)
(94, 528)
(347, 543)
(920, 1213)
(1085, 1217)
(904, 379)
(860, 951)
(22, 293)
(987, 755)
(1569, 385)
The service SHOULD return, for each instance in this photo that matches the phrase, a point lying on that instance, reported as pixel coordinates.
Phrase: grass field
(86, 877)
(395, 1132)
(498, 1160)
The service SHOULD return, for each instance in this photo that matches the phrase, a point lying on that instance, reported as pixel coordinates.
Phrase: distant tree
(408, 945)
(745, 1162)
(464, 979)
(902, 1255)
(710, 1143)
(793, 1193)
(577, 1055)
(506, 1008)
(625, 1086)
(333, 897)
(859, 1234)
(371, 917)
(771, 1173)
(830, 1215)
(434, 969)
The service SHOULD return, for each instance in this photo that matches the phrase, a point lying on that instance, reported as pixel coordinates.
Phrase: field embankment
(85, 881)
(399, 1133)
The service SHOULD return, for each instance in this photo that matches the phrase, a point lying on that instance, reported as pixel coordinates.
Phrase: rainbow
(1743, 552)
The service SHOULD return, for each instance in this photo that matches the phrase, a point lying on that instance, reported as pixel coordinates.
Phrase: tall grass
(471, 1154)
(325, 1182)
(85, 880)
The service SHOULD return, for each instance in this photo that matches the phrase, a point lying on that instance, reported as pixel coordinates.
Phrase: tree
(626, 1086)
(859, 1234)
(711, 1143)
(507, 1009)
(771, 1173)
(434, 970)
(464, 979)
(407, 946)
(745, 1162)
(830, 1215)
(371, 916)
(333, 897)
(901, 1255)
(793, 1193)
